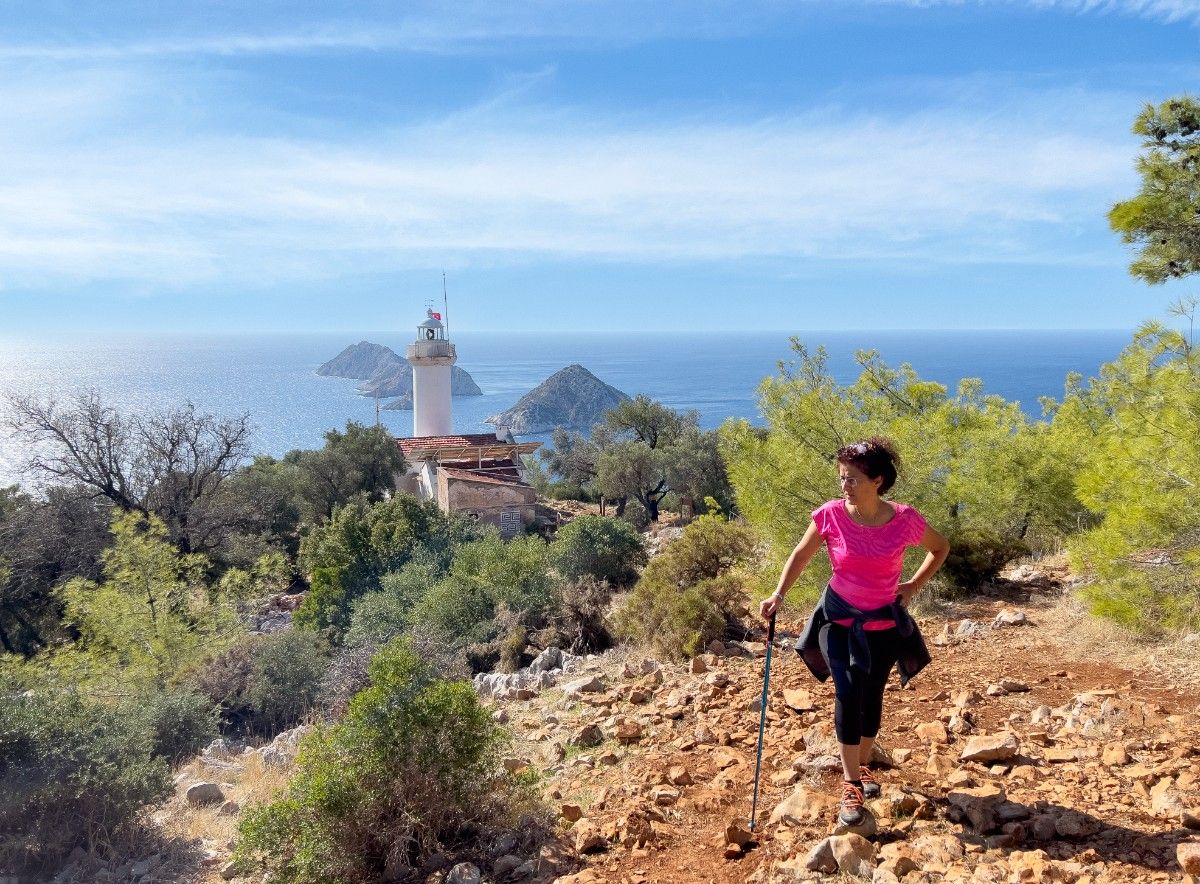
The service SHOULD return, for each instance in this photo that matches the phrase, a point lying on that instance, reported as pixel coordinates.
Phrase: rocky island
(385, 373)
(573, 398)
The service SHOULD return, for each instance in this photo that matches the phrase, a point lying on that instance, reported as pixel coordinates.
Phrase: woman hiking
(861, 627)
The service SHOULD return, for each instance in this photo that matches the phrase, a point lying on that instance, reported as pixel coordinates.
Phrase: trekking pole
(762, 718)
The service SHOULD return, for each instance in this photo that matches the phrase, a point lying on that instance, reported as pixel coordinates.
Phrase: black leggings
(858, 708)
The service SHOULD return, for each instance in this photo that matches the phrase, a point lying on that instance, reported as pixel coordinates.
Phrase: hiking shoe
(850, 809)
(871, 787)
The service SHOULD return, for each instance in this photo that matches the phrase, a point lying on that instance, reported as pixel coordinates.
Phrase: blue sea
(273, 378)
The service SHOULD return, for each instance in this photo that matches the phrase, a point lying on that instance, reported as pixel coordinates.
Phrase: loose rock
(993, 747)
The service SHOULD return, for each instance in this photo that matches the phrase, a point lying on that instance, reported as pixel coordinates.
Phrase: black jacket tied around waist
(831, 607)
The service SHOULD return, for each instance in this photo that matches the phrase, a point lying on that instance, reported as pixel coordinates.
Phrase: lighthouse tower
(431, 357)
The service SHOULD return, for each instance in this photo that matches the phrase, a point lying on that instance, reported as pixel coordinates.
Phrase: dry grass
(254, 782)
(1068, 622)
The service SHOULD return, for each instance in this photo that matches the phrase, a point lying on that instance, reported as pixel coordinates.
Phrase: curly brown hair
(876, 457)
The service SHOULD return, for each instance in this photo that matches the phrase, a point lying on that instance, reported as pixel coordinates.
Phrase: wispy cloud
(169, 209)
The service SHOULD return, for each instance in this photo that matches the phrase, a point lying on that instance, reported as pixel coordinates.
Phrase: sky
(577, 165)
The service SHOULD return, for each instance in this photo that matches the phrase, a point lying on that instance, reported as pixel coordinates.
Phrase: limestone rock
(588, 736)
(628, 731)
(933, 732)
(1073, 825)
(821, 858)
(897, 859)
(868, 827)
(1188, 855)
(588, 837)
(855, 855)
(1164, 798)
(1115, 755)
(678, 775)
(801, 701)
(664, 796)
(571, 812)
(590, 685)
(803, 806)
(992, 747)
(1010, 617)
(736, 833)
(979, 805)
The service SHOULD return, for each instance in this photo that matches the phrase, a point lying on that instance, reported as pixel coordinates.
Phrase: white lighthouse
(431, 357)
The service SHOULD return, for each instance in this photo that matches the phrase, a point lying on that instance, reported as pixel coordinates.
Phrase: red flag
(437, 316)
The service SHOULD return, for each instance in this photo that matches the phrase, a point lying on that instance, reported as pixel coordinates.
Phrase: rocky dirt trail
(1032, 750)
(1040, 746)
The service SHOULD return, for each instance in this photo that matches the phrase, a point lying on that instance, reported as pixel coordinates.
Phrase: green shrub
(688, 594)
(411, 769)
(599, 547)
(225, 679)
(977, 555)
(487, 576)
(636, 515)
(285, 679)
(378, 617)
(265, 684)
(326, 605)
(582, 625)
(182, 721)
(73, 773)
(348, 555)
(971, 461)
(1136, 425)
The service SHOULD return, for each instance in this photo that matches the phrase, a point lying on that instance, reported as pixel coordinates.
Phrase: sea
(273, 378)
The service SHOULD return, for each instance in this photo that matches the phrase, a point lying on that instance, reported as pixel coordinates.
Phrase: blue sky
(577, 165)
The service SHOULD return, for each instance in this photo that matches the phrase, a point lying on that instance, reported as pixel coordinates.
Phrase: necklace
(881, 516)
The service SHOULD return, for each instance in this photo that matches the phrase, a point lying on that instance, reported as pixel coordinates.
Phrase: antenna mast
(445, 306)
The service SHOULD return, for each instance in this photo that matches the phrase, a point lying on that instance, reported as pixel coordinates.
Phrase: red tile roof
(420, 443)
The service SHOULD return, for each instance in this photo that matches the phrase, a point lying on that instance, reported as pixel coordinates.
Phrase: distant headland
(386, 374)
(572, 399)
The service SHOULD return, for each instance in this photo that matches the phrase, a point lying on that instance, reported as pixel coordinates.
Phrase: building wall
(489, 502)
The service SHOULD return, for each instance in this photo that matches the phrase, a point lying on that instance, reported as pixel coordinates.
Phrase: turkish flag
(438, 317)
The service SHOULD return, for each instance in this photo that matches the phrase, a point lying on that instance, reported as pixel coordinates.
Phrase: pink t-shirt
(867, 559)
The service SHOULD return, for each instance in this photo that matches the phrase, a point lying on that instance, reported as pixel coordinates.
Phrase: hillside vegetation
(164, 594)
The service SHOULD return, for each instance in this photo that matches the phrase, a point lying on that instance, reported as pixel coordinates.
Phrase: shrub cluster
(361, 542)
(265, 684)
(599, 547)
(73, 772)
(689, 594)
(412, 768)
(484, 598)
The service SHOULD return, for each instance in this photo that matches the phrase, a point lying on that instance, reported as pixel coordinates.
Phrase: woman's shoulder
(910, 520)
(828, 507)
(904, 510)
